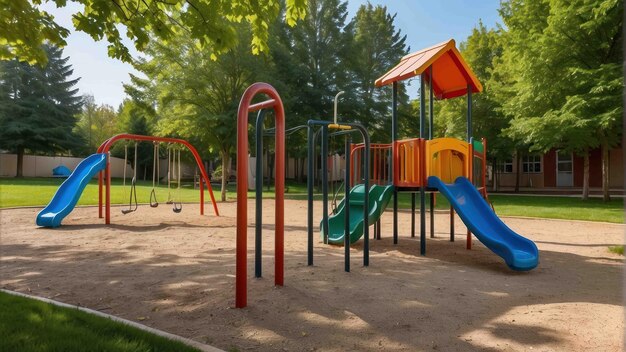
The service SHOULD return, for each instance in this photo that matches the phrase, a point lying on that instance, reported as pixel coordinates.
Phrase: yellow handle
(339, 127)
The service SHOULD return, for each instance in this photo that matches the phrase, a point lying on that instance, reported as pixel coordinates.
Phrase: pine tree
(38, 106)
(377, 47)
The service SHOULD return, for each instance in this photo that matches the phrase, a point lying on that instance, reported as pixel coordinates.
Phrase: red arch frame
(106, 174)
(242, 186)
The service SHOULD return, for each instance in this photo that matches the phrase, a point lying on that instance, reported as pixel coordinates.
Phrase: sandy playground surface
(175, 272)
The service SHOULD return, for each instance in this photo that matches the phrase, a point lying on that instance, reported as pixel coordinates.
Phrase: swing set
(173, 174)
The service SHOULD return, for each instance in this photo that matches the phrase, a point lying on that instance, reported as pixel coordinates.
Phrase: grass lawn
(39, 191)
(31, 325)
(566, 208)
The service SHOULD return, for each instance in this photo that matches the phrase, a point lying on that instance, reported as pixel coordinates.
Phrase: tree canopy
(212, 24)
(38, 106)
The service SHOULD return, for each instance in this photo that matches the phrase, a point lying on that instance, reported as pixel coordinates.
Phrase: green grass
(19, 192)
(617, 249)
(38, 192)
(31, 325)
(566, 208)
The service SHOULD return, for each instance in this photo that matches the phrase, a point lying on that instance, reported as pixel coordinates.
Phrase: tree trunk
(225, 173)
(586, 175)
(605, 172)
(20, 162)
(301, 175)
(495, 173)
(518, 172)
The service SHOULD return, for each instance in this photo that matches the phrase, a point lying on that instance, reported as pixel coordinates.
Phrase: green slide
(379, 197)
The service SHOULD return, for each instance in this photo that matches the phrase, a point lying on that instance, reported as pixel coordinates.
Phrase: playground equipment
(104, 177)
(70, 190)
(447, 164)
(421, 165)
(246, 107)
(66, 197)
(414, 165)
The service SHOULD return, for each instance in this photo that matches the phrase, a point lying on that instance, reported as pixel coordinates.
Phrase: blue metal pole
(394, 137)
(431, 109)
(422, 189)
(346, 207)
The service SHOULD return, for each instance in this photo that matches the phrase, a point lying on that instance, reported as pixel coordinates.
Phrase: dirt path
(175, 272)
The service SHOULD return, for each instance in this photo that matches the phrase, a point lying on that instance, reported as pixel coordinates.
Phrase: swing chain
(133, 190)
(155, 170)
(178, 206)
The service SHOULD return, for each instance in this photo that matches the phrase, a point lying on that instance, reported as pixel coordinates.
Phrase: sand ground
(175, 272)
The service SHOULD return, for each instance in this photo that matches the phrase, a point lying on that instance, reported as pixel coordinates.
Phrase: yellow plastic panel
(447, 158)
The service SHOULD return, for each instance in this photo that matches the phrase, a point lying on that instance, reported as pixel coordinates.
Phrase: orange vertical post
(242, 185)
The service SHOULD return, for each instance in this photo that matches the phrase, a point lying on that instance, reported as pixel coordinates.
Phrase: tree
(314, 69)
(567, 61)
(377, 47)
(132, 119)
(38, 106)
(213, 24)
(96, 123)
(195, 97)
(309, 68)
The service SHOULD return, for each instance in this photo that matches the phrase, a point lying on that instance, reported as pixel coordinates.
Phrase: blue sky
(424, 22)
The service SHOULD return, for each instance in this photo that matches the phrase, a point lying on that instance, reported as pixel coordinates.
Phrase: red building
(556, 169)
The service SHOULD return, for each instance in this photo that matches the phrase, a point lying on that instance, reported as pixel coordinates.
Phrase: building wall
(547, 178)
(548, 165)
(595, 169)
(616, 168)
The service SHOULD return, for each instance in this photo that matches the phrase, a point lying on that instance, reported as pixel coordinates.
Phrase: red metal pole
(100, 180)
(242, 186)
(202, 196)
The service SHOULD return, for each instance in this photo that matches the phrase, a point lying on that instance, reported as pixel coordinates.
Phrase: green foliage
(617, 249)
(35, 28)
(134, 120)
(563, 62)
(377, 47)
(96, 123)
(38, 106)
(566, 63)
(31, 325)
(196, 98)
(212, 24)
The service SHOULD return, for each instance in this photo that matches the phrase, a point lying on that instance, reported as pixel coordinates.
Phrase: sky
(423, 22)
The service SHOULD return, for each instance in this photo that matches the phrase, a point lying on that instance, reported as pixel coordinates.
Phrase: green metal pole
(309, 186)
(258, 226)
(325, 182)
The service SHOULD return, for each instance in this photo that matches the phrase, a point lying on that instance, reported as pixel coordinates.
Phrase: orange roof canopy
(451, 74)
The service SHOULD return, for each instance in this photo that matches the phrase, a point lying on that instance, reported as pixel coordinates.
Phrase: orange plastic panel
(408, 163)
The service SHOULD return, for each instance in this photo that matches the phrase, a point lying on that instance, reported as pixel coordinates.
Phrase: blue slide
(518, 252)
(70, 190)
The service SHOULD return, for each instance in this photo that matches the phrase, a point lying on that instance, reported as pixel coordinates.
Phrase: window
(505, 166)
(531, 164)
